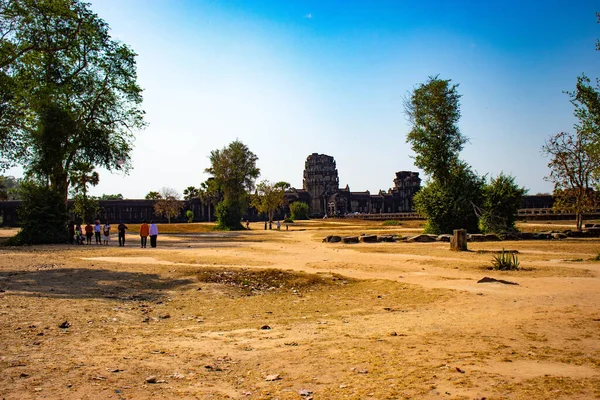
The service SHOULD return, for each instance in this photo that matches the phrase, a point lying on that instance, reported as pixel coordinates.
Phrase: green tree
(68, 91)
(575, 157)
(502, 199)
(451, 205)
(453, 192)
(85, 207)
(9, 187)
(190, 216)
(190, 192)
(82, 175)
(234, 171)
(115, 196)
(153, 196)
(3, 188)
(209, 194)
(433, 109)
(299, 210)
(40, 209)
(169, 204)
(268, 197)
(574, 165)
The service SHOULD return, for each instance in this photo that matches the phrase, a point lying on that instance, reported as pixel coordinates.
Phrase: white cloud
(308, 16)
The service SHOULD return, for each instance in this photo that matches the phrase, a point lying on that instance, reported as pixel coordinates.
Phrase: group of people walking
(102, 233)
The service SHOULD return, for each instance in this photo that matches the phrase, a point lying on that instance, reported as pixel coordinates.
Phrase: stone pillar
(459, 240)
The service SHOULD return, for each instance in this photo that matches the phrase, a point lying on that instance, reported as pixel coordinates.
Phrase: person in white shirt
(153, 233)
(106, 233)
(97, 229)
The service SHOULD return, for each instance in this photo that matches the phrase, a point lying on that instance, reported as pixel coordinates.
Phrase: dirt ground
(281, 315)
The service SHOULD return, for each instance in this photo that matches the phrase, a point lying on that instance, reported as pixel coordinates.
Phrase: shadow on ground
(88, 283)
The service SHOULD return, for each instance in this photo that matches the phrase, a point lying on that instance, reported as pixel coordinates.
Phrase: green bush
(451, 205)
(506, 261)
(288, 221)
(229, 215)
(391, 222)
(190, 216)
(86, 208)
(501, 201)
(42, 216)
(299, 210)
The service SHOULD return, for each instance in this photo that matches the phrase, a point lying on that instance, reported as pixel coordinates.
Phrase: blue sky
(290, 78)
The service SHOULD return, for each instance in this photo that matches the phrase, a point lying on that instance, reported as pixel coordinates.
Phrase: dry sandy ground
(362, 321)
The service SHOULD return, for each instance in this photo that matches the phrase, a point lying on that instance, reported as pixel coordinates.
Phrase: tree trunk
(459, 240)
(579, 220)
(209, 211)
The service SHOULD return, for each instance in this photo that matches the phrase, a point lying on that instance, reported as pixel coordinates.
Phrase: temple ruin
(321, 187)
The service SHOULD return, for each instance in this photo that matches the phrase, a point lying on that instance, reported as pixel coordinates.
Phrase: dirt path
(387, 320)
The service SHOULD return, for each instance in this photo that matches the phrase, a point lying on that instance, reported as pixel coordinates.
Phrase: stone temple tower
(320, 181)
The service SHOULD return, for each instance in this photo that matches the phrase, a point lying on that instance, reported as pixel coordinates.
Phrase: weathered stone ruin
(321, 183)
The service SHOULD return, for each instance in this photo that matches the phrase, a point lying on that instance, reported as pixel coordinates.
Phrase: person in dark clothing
(122, 228)
(71, 232)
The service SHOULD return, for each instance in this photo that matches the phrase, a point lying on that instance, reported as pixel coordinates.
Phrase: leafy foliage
(209, 194)
(575, 158)
(229, 215)
(169, 204)
(9, 188)
(190, 216)
(153, 196)
(451, 205)
(299, 210)
(190, 192)
(68, 91)
(453, 192)
(81, 176)
(506, 261)
(433, 110)
(269, 197)
(502, 199)
(234, 171)
(42, 216)
(85, 207)
(116, 196)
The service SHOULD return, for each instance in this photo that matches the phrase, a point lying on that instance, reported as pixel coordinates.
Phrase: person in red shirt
(144, 232)
(89, 233)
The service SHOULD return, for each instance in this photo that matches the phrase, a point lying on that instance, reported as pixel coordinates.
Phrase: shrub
(391, 222)
(506, 261)
(190, 215)
(288, 221)
(229, 215)
(42, 216)
(450, 205)
(501, 201)
(299, 210)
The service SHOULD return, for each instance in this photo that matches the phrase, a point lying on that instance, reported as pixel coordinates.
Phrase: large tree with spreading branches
(68, 91)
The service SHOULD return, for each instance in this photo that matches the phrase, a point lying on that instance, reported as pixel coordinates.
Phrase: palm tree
(209, 193)
(190, 192)
(82, 175)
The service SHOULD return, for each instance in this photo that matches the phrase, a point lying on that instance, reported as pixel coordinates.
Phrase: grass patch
(391, 222)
